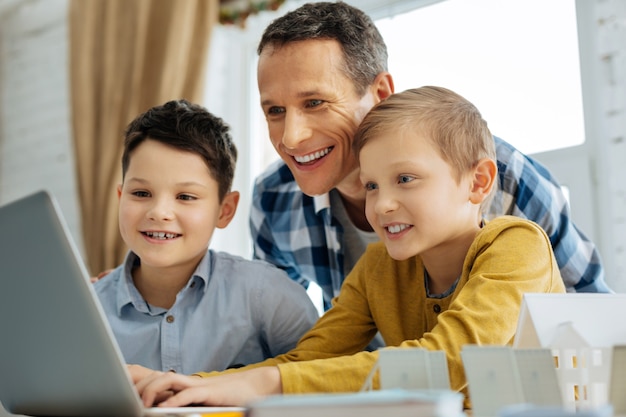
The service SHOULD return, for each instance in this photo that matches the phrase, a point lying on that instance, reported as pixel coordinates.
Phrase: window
(516, 60)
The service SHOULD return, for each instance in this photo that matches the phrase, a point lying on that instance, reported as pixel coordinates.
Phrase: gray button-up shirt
(232, 312)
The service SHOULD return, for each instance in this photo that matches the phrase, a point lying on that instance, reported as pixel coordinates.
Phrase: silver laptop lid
(58, 356)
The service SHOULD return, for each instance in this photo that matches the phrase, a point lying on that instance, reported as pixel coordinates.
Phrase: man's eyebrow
(302, 94)
(310, 93)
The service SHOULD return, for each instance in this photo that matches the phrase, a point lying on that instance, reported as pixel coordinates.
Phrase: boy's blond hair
(453, 124)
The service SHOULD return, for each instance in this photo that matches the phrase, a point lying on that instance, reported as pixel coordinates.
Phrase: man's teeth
(312, 157)
(397, 228)
(161, 235)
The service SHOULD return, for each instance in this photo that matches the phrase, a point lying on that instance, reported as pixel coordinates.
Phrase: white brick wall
(605, 22)
(35, 140)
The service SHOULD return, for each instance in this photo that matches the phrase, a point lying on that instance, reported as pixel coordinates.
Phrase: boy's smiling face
(169, 207)
(413, 200)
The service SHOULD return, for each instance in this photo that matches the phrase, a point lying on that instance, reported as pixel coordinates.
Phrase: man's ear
(383, 86)
(484, 178)
(228, 209)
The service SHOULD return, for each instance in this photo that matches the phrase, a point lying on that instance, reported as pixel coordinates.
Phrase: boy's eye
(186, 197)
(141, 194)
(370, 186)
(403, 179)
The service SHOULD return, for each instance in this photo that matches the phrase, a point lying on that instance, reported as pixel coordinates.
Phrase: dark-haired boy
(175, 305)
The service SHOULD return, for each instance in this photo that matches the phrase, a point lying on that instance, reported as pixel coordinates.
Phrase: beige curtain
(126, 56)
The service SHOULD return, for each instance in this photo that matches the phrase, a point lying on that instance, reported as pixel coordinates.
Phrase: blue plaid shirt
(299, 234)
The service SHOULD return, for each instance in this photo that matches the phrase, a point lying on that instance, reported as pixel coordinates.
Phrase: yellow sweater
(510, 256)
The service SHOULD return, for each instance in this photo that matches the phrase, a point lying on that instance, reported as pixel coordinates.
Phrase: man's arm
(527, 189)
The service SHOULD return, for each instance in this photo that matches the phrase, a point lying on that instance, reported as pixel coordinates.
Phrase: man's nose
(296, 130)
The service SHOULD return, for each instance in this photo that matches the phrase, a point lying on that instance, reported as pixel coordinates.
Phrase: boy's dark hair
(188, 127)
(364, 50)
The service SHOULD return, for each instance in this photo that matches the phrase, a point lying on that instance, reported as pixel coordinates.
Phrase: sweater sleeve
(336, 344)
(345, 329)
(508, 258)
(511, 257)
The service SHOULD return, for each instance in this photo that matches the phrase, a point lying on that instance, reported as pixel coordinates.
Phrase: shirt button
(436, 308)
(169, 319)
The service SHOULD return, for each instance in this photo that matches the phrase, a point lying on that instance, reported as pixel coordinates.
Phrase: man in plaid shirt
(308, 209)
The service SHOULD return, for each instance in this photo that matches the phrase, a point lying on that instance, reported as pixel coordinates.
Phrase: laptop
(58, 355)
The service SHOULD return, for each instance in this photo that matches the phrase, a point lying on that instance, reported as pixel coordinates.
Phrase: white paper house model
(581, 331)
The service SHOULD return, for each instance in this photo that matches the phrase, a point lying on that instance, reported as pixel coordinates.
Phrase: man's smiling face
(312, 110)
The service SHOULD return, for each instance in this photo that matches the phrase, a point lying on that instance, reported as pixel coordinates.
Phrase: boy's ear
(119, 191)
(228, 209)
(383, 86)
(484, 178)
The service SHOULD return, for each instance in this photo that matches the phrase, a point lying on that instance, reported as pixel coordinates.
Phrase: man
(321, 69)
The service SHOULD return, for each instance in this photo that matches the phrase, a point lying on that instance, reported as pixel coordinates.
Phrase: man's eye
(403, 179)
(314, 103)
(141, 194)
(370, 186)
(275, 110)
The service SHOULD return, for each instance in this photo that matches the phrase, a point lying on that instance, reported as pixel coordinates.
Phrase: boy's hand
(138, 372)
(168, 389)
(100, 275)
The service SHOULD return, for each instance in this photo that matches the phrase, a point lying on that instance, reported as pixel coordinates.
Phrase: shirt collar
(203, 272)
(321, 202)
(125, 283)
(127, 293)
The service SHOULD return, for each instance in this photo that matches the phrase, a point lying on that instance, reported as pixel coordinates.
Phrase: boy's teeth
(397, 228)
(161, 235)
(312, 157)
